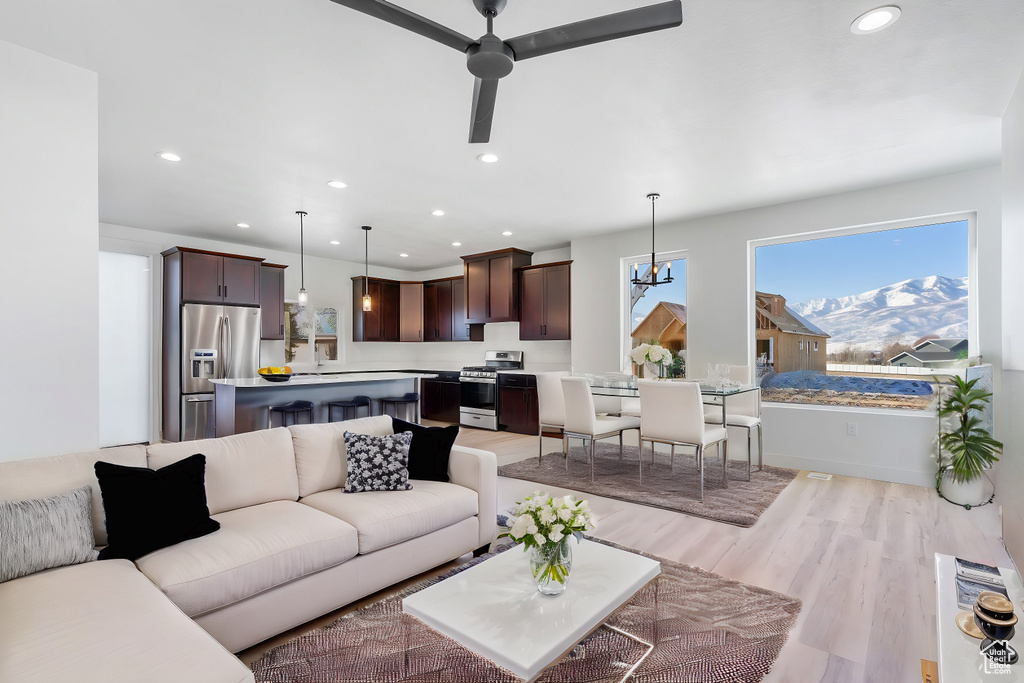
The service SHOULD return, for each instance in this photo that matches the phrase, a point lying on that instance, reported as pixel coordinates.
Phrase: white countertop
(355, 377)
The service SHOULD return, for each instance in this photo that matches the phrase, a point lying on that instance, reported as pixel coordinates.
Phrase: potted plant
(965, 447)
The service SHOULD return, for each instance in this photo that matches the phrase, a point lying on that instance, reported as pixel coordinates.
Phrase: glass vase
(653, 369)
(550, 565)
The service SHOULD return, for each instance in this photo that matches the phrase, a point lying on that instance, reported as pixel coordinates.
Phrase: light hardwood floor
(859, 553)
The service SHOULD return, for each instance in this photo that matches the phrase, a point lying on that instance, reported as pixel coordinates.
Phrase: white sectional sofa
(292, 546)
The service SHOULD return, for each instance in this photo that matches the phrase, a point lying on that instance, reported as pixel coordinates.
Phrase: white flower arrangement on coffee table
(541, 519)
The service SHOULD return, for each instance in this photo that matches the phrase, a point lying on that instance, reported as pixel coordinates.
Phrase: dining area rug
(704, 628)
(672, 488)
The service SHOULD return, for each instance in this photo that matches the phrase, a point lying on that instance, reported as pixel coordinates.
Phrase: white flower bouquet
(653, 353)
(544, 525)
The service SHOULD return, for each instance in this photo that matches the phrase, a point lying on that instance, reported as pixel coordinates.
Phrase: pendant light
(303, 294)
(367, 304)
(654, 282)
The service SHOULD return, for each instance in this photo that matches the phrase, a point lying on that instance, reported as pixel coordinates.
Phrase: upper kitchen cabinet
(462, 330)
(411, 307)
(211, 277)
(438, 324)
(491, 292)
(381, 322)
(272, 301)
(544, 301)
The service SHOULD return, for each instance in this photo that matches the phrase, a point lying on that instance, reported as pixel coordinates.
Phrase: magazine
(975, 571)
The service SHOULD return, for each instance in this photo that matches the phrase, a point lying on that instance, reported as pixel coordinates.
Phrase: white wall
(1011, 407)
(719, 298)
(48, 283)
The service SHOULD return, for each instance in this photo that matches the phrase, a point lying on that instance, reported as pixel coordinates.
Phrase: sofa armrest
(478, 470)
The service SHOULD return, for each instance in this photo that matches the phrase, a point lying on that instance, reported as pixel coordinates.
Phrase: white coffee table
(494, 609)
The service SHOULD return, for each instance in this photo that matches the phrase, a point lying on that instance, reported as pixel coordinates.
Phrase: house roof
(788, 322)
(928, 356)
(947, 343)
(663, 315)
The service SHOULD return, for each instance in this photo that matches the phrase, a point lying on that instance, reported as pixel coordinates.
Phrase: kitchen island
(243, 405)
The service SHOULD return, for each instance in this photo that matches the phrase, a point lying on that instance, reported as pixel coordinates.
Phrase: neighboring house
(666, 323)
(932, 353)
(788, 341)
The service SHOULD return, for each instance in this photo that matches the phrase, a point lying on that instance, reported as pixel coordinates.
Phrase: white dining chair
(742, 410)
(550, 408)
(583, 422)
(673, 413)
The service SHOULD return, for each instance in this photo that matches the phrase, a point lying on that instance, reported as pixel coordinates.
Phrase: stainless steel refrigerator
(217, 342)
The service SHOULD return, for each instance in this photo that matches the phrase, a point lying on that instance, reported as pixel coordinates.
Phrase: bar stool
(353, 404)
(410, 399)
(293, 409)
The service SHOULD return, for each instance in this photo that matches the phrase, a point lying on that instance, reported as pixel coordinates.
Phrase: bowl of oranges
(275, 374)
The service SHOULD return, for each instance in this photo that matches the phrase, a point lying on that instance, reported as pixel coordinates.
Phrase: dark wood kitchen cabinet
(491, 292)
(272, 301)
(210, 277)
(544, 307)
(411, 308)
(462, 329)
(382, 321)
(441, 398)
(517, 403)
(438, 324)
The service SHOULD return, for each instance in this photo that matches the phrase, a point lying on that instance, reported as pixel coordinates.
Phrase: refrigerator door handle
(229, 362)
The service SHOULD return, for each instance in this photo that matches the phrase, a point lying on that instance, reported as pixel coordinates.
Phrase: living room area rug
(704, 628)
(678, 489)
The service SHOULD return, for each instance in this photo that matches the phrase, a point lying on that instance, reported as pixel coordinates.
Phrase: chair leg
(700, 470)
(750, 450)
(593, 448)
(672, 455)
(565, 439)
(620, 445)
(759, 463)
(723, 446)
(540, 446)
(640, 458)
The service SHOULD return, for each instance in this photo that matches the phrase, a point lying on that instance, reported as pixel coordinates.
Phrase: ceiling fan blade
(609, 27)
(403, 18)
(484, 93)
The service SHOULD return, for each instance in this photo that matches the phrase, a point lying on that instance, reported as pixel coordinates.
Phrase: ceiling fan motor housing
(489, 7)
(490, 58)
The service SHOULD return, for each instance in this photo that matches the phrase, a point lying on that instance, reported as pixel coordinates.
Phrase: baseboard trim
(851, 469)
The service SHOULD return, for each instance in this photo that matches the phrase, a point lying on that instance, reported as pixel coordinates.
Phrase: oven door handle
(478, 380)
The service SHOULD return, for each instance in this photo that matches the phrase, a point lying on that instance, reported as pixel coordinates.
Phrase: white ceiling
(746, 104)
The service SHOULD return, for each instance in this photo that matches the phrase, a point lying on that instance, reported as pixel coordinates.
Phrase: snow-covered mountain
(906, 310)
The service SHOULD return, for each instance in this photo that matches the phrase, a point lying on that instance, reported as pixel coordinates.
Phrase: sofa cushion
(241, 470)
(149, 509)
(256, 549)
(377, 463)
(44, 477)
(44, 533)
(320, 451)
(430, 449)
(384, 518)
(104, 621)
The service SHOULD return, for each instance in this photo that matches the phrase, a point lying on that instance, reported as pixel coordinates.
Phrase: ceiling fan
(491, 58)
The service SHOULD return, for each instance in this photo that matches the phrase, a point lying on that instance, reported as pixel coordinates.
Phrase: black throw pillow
(431, 447)
(151, 509)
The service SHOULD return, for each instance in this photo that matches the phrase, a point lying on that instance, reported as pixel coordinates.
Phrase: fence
(891, 370)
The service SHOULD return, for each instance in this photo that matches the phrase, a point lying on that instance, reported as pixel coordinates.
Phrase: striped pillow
(45, 533)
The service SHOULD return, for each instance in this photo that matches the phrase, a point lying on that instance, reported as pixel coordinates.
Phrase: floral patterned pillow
(377, 463)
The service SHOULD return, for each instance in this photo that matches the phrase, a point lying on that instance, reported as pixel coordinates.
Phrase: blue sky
(842, 266)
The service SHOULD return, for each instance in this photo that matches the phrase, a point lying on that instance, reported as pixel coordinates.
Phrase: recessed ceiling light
(437, 212)
(456, 244)
(488, 158)
(404, 255)
(875, 20)
(243, 225)
(168, 156)
(335, 242)
(338, 184)
(507, 233)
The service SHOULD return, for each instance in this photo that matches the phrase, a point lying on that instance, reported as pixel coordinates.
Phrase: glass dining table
(625, 386)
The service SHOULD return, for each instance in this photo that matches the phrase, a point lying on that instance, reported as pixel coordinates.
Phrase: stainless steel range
(478, 406)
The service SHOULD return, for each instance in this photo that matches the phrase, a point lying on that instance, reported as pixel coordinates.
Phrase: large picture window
(865, 319)
(656, 314)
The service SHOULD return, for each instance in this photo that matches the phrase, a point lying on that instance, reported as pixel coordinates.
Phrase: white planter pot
(967, 493)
